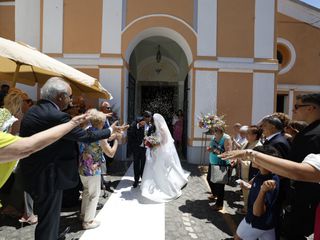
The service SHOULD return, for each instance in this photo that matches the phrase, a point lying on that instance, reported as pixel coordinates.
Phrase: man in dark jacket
(55, 168)
(273, 131)
(138, 130)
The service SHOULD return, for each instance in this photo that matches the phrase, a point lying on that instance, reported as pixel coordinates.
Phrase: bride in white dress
(163, 176)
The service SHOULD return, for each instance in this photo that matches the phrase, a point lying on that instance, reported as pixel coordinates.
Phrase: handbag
(219, 174)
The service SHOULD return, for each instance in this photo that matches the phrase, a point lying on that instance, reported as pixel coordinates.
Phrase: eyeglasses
(70, 96)
(297, 106)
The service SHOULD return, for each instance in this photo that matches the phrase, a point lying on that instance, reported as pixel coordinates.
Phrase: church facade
(242, 59)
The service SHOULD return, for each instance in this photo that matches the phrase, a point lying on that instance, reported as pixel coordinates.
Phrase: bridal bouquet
(209, 121)
(151, 141)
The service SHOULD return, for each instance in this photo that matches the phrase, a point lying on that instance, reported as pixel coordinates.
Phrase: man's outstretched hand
(77, 120)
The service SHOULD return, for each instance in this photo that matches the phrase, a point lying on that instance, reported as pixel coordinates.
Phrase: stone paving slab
(190, 216)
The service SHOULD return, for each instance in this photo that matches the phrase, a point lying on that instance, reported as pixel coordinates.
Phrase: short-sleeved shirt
(313, 160)
(266, 221)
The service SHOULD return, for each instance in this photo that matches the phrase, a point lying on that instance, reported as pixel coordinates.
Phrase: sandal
(212, 197)
(33, 219)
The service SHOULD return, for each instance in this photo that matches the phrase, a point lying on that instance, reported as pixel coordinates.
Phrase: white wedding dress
(163, 176)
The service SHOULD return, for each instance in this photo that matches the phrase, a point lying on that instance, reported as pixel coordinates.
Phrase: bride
(163, 176)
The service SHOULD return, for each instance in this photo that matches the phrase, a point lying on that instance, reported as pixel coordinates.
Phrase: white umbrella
(24, 64)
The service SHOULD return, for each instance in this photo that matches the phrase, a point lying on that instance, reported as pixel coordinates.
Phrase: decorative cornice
(300, 11)
(237, 65)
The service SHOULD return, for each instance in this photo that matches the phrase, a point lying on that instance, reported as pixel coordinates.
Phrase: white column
(180, 94)
(110, 78)
(111, 26)
(52, 40)
(205, 95)
(190, 99)
(207, 28)
(264, 29)
(30, 90)
(291, 100)
(262, 96)
(27, 22)
(125, 95)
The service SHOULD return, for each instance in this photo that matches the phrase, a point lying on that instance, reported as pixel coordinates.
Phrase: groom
(138, 130)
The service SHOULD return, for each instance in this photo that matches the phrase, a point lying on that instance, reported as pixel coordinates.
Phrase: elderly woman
(91, 158)
(219, 143)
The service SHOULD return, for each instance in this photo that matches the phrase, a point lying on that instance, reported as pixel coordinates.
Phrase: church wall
(235, 30)
(182, 9)
(234, 97)
(232, 50)
(82, 24)
(7, 22)
(306, 42)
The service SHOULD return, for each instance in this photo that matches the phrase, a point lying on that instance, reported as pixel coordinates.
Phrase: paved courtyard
(188, 217)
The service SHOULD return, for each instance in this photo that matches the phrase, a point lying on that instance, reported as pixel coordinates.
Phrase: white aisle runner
(129, 216)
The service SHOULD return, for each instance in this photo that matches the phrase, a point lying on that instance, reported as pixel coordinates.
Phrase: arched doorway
(157, 80)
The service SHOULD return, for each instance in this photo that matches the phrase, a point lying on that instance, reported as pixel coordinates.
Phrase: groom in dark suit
(55, 168)
(138, 130)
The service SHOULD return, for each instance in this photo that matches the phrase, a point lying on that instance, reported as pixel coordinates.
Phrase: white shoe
(90, 225)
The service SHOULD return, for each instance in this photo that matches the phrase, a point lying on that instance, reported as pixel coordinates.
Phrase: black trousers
(139, 160)
(217, 189)
(208, 180)
(298, 223)
(48, 208)
(219, 192)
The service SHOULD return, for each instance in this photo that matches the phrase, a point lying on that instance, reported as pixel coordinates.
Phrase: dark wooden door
(185, 118)
(131, 98)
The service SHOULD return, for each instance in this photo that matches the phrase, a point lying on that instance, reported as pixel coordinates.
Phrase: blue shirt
(267, 220)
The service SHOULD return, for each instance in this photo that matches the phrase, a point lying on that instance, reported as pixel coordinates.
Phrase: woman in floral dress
(91, 157)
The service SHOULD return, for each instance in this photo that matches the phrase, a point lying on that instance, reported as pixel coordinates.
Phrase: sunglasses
(297, 106)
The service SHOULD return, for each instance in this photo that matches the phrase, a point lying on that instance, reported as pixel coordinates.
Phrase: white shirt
(313, 160)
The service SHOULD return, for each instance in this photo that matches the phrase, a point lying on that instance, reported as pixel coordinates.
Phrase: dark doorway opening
(131, 98)
(282, 101)
(159, 99)
(185, 118)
